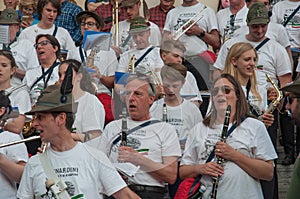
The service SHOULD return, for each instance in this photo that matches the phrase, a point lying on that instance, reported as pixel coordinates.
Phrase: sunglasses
(224, 89)
(42, 43)
(289, 99)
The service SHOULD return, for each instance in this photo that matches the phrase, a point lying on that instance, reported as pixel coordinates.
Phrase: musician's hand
(97, 74)
(194, 30)
(128, 154)
(224, 150)
(25, 24)
(268, 119)
(117, 50)
(160, 91)
(212, 169)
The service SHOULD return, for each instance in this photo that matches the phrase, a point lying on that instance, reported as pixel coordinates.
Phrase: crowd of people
(131, 105)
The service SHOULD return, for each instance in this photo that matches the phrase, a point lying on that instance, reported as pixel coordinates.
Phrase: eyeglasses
(289, 99)
(42, 43)
(224, 89)
(89, 24)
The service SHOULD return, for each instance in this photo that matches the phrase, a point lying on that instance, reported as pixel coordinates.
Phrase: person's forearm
(11, 169)
(108, 81)
(166, 172)
(256, 168)
(189, 171)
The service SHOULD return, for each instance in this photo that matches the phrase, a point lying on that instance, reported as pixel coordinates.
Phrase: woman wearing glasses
(19, 97)
(240, 63)
(38, 78)
(248, 152)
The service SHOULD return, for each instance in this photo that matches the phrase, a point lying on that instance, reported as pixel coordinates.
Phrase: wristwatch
(202, 34)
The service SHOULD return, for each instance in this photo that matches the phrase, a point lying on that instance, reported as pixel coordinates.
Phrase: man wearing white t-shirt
(83, 170)
(153, 145)
(131, 9)
(48, 10)
(232, 18)
(197, 38)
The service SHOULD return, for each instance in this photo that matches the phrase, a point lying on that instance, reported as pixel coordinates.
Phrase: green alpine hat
(258, 14)
(294, 87)
(9, 16)
(138, 24)
(52, 100)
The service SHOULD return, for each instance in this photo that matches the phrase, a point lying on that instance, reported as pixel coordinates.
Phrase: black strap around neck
(136, 128)
(55, 31)
(291, 16)
(143, 56)
(48, 72)
(262, 43)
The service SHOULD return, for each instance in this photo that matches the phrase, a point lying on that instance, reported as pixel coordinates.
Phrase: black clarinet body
(164, 110)
(220, 160)
(124, 128)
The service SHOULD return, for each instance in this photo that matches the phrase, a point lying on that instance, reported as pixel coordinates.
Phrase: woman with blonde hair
(240, 63)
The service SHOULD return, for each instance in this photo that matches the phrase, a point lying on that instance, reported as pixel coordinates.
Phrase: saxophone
(131, 65)
(90, 63)
(274, 104)
(220, 160)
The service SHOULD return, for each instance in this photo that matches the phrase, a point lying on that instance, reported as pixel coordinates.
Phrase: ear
(233, 61)
(163, 56)
(13, 71)
(61, 119)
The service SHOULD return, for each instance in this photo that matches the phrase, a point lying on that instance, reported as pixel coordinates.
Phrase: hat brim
(138, 30)
(8, 22)
(94, 15)
(259, 21)
(293, 88)
(68, 108)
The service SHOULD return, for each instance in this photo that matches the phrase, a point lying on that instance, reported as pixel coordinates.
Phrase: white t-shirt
(223, 17)
(155, 141)
(25, 59)
(16, 153)
(62, 35)
(85, 171)
(32, 75)
(273, 62)
(182, 117)
(280, 12)
(178, 16)
(275, 32)
(124, 26)
(20, 98)
(106, 61)
(90, 114)
(250, 138)
(152, 61)
(190, 89)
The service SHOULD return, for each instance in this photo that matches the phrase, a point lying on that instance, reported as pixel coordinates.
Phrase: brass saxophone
(220, 160)
(124, 127)
(274, 104)
(131, 66)
(90, 63)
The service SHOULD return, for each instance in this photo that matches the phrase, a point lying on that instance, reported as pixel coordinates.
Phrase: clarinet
(219, 159)
(124, 128)
(164, 118)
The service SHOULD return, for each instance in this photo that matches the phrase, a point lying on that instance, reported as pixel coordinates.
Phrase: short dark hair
(169, 45)
(54, 42)
(4, 102)
(42, 3)
(70, 117)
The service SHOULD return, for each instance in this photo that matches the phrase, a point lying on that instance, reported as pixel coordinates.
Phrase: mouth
(221, 101)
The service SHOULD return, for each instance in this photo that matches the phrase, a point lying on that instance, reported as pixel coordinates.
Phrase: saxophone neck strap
(136, 128)
(143, 56)
(261, 44)
(291, 16)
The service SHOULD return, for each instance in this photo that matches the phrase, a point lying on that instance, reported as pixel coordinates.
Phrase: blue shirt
(67, 20)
